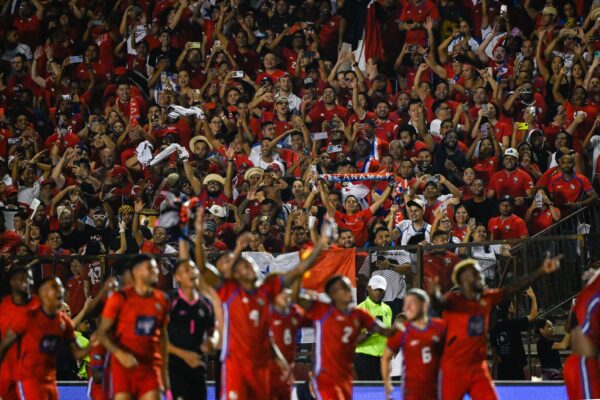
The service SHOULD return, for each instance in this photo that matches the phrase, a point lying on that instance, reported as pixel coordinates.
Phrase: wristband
(120, 231)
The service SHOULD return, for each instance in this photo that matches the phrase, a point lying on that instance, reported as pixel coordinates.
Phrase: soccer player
(582, 369)
(464, 366)
(285, 321)
(133, 329)
(19, 302)
(191, 333)
(337, 327)
(421, 339)
(246, 348)
(39, 332)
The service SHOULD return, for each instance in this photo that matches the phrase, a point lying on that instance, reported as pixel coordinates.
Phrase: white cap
(378, 282)
(416, 202)
(218, 211)
(511, 152)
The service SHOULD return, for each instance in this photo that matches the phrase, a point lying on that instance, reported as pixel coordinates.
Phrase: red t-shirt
(284, 328)
(566, 190)
(320, 113)
(422, 351)
(515, 183)
(60, 270)
(138, 321)
(40, 342)
(486, 168)
(441, 266)
(418, 13)
(9, 313)
(75, 289)
(336, 341)
(357, 223)
(466, 333)
(246, 325)
(540, 220)
(512, 227)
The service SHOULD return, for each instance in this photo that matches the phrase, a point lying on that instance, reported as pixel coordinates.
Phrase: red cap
(120, 71)
(274, 168)
(48, 181)
(118, 170)
(10, 190)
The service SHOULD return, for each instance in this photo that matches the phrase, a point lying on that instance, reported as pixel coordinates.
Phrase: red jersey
(357, 223)
(336, 335)
(440, 265)
(501, 228)
(40, 342)
(587, 310)
(10, 312)
(418, 13)
(60, 270)
(515, 183)
(486, 168)
(246, 321)
(540, 220)
(467, 324)
(320, 113)
(284, 328)
(98, 364)
(138, 322)
(422, 351)
(566, 190)
(76, 292)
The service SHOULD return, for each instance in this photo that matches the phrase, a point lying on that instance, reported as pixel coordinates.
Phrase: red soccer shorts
(582, 377)
(244, 381)
(135, 381)
(31, 389)
(8, 390)
(280, 390)
(332, 389)
(477, 382)
(420, 392)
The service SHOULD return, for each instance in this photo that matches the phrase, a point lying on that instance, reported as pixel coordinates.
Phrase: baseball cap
(416, 202)
(308, 82)
(378, 282)
(511, 152)
(507, 197)
(461, 266)
(10, 190)
(218, 211)
(273, 168)
(118, 170)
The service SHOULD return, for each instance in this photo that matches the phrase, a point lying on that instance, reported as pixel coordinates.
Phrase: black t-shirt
(482, 212)
(190, 323)
(73, 241)
(506, 340)
(172, 54)
(548, 358)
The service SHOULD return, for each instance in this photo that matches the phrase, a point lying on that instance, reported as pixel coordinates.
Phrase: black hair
(540, 324)
(332, 281)
(407, 128)
(439, 233)
(139, 259)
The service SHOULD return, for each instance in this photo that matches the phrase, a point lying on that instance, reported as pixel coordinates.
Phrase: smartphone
(218, 43)
(539, 200)
(195, 45)
(503, 9)
(471, 221)
(295, 28)
(597, 54)
(308, 54)
(96, 22)
(237, 74)
(75, 59)
(12, 141)
(66, 97)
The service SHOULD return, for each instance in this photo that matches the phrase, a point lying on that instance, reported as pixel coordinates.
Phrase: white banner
(267, 264)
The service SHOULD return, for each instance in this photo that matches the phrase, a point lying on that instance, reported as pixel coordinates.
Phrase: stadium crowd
(403, 122)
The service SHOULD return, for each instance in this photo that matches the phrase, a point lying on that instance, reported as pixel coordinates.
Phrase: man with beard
(107, 161)
(408, 136)
(569, 189)
(480, 207)
(19, 78)
(521, 99)
(508, 225)
(12, 47)
(464, 366)
(97, 225)
(386, 129)
(449, 160)
(511, 180)
(424, 163)
(325, 110)
(12, 307)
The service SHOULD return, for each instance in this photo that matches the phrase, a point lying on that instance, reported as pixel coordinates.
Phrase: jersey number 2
(346, 335)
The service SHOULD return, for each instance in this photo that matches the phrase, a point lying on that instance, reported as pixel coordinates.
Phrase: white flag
(267, 264)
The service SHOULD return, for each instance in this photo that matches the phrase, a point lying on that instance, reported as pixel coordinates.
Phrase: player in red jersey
(246, 348)
(133, 329)
(337, 329)
(285, 321)
(421, 339)
(582, 369)
(39, 332)
(97, 370)
(466, 312)
(12, 307)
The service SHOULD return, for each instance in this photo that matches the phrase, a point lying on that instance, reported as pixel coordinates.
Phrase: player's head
(187, 274)
(245, 271)
(467, 276)
(144, 269)
(415, 305)
(339, 289)
(21, 281)
(51, 294)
